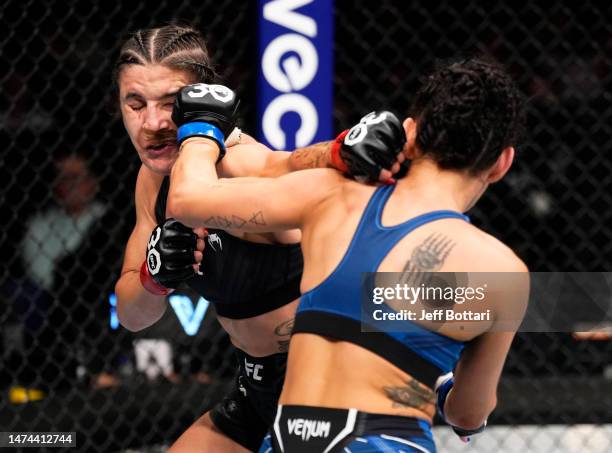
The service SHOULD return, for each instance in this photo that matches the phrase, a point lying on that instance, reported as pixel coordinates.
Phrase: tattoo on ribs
(284, 330)
(234, 221)
(414, 395)
(283, 345)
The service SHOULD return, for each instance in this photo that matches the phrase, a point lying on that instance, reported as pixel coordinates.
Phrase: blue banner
(295, 103)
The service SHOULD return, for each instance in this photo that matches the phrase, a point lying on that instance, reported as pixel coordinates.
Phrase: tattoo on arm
(413, 395)
(234, 221)
(284, 330)
(313, 156)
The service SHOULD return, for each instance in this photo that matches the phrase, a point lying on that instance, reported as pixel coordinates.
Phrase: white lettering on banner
(296, 73)
(290, 74)
(282, 12)
(308, 428)
(290, 103)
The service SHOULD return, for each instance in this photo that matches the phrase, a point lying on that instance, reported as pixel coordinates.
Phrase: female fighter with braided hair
(251, 278)
(350, 390)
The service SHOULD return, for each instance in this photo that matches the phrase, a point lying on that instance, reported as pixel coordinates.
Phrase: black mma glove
(370, 146)
(170, 257)
(206, 111)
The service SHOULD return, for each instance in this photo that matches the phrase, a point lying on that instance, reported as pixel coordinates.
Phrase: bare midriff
(338, 374)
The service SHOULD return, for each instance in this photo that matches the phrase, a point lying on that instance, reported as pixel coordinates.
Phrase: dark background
(56, 97)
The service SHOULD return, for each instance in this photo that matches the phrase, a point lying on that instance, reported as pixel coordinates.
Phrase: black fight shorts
(247, 412)
(307, 429)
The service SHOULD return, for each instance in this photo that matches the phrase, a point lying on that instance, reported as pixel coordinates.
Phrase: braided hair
(174, 46)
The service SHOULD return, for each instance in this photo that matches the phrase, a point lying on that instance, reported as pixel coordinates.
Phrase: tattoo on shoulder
(284, 330)
(428, 256)
(413, 395)
(234, 221)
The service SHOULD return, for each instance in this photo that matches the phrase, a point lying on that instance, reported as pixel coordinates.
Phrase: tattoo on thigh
(413, 395)
(284, 330)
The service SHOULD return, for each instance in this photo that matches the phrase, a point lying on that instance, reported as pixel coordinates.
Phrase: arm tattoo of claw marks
(284, 330)
(427, 257)
(413, 395)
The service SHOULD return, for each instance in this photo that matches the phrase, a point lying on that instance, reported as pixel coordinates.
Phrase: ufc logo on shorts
(219, 92)
(359, 131)
(253, 369)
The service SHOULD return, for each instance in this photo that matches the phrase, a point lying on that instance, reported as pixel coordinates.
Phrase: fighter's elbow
(130, 325)
(127, 320)
(178, 207)
(472, 417)
(174, 207)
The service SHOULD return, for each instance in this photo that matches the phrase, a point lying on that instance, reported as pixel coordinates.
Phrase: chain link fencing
(67, 366)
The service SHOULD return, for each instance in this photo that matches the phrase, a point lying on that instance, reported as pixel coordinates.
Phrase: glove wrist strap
(151, 285)
(336, 159)
(201, 129)
(468, 432)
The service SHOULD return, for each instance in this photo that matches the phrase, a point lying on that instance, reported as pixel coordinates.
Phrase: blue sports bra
(333, 308)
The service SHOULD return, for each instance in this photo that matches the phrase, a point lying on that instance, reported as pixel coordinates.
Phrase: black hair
(467, 112)
(175, 46)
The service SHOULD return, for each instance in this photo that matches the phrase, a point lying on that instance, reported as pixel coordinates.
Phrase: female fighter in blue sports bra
(353, 391)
